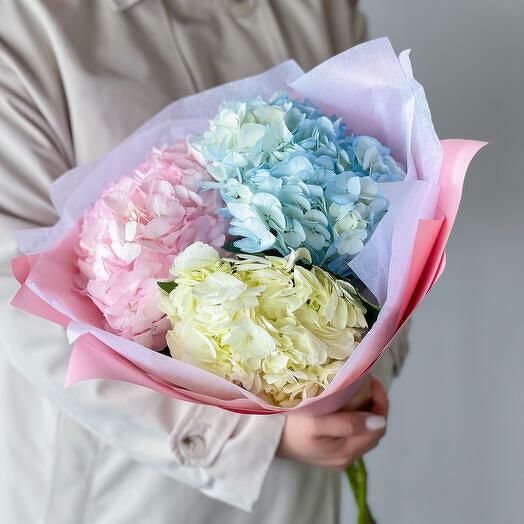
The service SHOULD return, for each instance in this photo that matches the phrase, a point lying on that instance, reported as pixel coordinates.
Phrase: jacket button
(193, 446)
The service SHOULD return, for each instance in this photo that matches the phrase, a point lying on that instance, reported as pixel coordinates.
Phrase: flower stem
(357, 476)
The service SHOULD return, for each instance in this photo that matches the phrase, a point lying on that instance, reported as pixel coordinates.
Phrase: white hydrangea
(274, 327)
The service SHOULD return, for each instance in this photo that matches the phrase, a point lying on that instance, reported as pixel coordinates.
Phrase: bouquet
(257, 246)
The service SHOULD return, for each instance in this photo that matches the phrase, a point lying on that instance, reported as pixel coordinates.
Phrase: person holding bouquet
(77, 78)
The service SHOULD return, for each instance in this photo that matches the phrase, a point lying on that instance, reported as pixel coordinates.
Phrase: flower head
(291, 176)
(369, 157)
(276, 328)
(131, 235)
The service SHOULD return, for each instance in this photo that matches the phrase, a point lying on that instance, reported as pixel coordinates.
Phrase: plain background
(453, 452)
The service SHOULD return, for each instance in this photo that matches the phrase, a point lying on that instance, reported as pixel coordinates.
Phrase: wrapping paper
(376, 94)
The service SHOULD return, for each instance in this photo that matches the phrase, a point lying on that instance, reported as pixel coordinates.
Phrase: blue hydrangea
(369, 157)
(292, 177)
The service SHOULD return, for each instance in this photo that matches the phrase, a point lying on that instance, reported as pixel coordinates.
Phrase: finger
(349, 450)
(355, 447)
(339, 452)
(362, 398)
(347, 424)
(358, 451)
(379, 399)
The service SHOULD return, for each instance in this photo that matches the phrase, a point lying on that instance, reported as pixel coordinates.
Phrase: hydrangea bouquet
(222, 253)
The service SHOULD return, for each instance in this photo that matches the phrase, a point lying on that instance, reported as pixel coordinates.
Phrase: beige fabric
(76, 77)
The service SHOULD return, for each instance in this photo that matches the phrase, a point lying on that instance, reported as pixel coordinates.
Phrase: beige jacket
(76, 77)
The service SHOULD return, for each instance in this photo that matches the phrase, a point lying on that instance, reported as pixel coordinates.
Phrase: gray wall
(453, 452)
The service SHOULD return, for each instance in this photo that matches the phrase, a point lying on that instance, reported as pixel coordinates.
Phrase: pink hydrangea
(131, 235)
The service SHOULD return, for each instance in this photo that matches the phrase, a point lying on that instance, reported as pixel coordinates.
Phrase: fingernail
(375, 422)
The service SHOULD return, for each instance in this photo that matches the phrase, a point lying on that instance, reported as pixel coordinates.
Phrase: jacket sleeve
(225, 455)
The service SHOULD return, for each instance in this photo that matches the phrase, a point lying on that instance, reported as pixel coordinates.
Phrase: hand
(338, 439)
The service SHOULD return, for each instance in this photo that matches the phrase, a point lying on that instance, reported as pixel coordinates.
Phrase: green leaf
(371, 305)
(167, 286)
(231, 248)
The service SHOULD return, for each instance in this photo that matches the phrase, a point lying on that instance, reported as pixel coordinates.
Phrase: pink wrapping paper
(376, 94)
